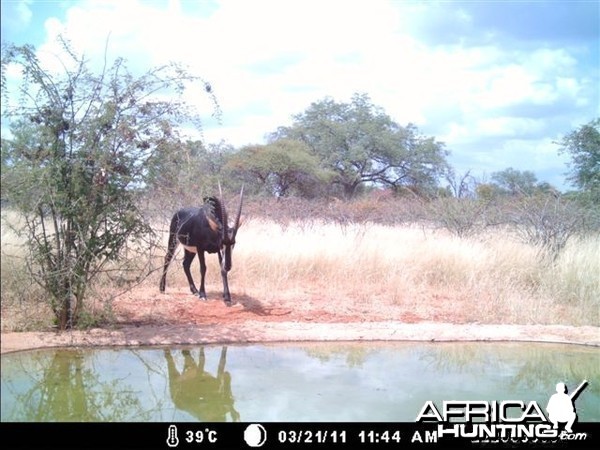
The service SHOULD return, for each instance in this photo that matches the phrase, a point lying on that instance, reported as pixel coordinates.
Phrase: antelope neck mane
(214, 210)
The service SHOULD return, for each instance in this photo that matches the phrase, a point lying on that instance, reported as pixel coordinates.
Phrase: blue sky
(497, 81)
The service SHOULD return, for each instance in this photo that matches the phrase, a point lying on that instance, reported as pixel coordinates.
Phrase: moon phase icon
(255, 435)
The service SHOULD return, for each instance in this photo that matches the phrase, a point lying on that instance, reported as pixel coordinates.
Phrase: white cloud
(508, 126)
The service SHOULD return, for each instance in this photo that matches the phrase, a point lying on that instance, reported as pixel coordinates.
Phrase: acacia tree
(186, 170)
(361, 144)
(515, 182)
(279, 167)
(81, 147)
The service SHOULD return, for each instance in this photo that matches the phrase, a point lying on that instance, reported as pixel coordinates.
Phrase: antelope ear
(213, 225)
(240, 222)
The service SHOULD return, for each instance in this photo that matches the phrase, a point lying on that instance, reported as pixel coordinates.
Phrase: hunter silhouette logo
(561, 406)
(481, 420)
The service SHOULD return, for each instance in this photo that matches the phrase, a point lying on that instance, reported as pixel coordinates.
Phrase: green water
(385, 382)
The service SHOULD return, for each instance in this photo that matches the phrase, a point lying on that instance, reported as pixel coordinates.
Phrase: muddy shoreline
(260, 331)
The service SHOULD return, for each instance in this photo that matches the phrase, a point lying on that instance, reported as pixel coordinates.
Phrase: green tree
(183, 172)
(583, 145)
(515, 182)
(361, 144)
(81, 147)
(280, 167)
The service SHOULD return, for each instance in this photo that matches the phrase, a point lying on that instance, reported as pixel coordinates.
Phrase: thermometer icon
(172, 439)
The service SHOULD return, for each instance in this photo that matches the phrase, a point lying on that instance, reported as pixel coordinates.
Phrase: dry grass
(22, 302)
(491, 279)
(386, 272)
(362, 268)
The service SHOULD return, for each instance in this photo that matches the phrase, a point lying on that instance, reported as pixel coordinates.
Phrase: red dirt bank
(179, 318)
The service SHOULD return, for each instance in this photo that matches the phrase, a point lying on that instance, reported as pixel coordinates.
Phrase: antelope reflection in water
(206, 397)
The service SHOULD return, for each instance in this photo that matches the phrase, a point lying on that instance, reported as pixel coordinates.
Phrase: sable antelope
(200, 230)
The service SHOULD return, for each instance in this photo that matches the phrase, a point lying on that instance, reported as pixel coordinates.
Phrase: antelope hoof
(202, 297)
(227, 303)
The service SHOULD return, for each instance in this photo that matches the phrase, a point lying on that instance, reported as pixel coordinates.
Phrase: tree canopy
(583, 145)
(280, 167)
(360, 144)
(515, 182)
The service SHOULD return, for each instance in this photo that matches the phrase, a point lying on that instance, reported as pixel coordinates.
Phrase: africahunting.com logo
(506, 421)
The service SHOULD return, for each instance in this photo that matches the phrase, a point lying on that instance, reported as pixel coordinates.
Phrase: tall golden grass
(374, 270)
(491, 278)
(365, 268)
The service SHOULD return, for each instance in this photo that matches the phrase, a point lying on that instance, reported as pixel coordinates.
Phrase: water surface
(385, 382)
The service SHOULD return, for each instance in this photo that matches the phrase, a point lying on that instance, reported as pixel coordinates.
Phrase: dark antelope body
(202, 230)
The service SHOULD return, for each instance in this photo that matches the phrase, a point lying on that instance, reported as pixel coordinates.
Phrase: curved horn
(223, 215)
(239, 212)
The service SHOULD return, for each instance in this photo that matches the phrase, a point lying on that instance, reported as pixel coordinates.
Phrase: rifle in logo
(580, 388)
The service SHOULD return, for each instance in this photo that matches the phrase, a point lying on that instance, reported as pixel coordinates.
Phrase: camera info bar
(281, 435)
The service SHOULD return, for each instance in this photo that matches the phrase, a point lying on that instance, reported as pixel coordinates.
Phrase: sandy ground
(145, 317)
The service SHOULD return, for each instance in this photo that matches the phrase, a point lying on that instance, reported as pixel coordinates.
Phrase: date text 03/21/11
(312, 436)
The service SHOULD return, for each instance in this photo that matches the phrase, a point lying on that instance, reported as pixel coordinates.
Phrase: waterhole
(379, 382)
